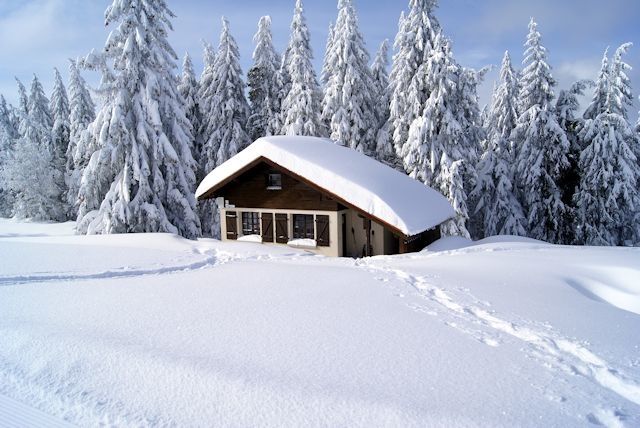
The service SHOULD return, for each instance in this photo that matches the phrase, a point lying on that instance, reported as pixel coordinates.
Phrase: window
(274, 181)
(250, 223)
(303, 226)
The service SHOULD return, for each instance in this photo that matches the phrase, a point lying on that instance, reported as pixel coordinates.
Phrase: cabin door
(344, 235)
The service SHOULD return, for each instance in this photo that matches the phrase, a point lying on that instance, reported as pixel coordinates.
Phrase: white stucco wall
(333, 250)
(357, 236)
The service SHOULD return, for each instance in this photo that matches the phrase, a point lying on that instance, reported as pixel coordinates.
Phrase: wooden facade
(251, 190)
(277, 197)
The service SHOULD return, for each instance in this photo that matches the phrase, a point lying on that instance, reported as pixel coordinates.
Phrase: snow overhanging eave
(208, 191)
(373, 203)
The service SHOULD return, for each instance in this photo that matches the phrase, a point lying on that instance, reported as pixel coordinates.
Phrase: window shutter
(267, 227)
(282, 229)
(322, 231)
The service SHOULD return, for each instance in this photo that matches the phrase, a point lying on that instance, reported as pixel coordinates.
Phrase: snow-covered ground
(158, 330)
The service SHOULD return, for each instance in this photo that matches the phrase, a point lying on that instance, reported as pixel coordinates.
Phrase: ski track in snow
(212, 259)
(544, 344)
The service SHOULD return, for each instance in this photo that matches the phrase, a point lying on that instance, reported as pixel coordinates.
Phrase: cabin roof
(372, 187)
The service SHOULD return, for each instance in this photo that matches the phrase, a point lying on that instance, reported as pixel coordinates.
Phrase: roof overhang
(380, 193)
(211, 193)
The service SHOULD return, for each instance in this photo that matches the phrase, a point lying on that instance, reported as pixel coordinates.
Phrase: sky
(38, 35)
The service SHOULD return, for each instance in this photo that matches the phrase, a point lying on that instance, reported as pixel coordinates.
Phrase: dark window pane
(303, 226)
(250, 223)
(274, 181)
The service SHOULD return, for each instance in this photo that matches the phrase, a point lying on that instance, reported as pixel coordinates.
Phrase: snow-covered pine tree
(262, 79)
(607, 199)
(384, 148)
(188, 89)
(227, 111)
(542, 147)
(413, 44)
(23, 103)
(599, 98)
(206, 79)
(81, 114)
(567, 105)
(226, 105)
(348, 104)
(434, 152)
(8, 134)
(60, 134)
(497, 207)
(284, 86)
(473, 134)
(301, 107)
(30, 173)
(9, 141)
(326, 64)
(140, 179)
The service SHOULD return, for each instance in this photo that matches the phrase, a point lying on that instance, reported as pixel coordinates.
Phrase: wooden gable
(252, 189)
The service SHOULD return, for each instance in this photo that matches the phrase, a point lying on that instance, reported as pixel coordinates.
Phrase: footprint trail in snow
(542, 342)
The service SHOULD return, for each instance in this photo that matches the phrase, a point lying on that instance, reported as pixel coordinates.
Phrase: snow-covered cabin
(314, 194)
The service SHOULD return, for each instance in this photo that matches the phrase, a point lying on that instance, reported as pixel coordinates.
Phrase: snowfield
(153, 329)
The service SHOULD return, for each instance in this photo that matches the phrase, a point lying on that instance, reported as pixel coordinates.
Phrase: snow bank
(375, 188)
(11, 228)
(451, 243)
(303, 243)
(508, 238)
(250, 238)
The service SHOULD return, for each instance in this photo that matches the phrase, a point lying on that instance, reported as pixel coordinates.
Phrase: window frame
(308, 226)
(274, 181)
(250, 223)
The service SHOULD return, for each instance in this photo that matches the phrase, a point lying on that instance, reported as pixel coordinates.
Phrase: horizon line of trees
(527, 164)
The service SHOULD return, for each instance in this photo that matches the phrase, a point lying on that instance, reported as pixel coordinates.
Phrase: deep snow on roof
(359, 180)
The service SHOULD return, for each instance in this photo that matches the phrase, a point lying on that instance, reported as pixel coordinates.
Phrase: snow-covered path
(156, 330)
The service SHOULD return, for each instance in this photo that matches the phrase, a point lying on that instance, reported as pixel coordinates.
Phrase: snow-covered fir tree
(607, 199)
(188, 89)
(567, 106)
(262, 79)
(226, 105)
(497, 208)
(384, 147)
(60, 114)
(413, 44)
(226, 118)
(30, 173)
(473, 134)
(542, 147)
(301, 107)
(8, 135)
(23, 102)
(600, 92)
(348, 104)
(435, 150)
(326, 64)
(284, 86)
(141, 178)
(206, 79)
(81, 114)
